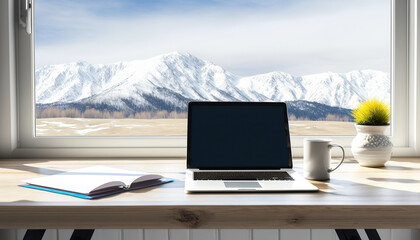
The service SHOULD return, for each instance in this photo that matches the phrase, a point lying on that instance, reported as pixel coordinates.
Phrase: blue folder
(84, 196)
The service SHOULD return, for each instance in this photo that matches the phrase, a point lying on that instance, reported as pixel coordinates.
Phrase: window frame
(404, 111)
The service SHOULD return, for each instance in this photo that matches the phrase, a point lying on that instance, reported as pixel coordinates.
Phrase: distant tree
(334, 117)
(92, 113)
(71, 113)
(143, 115)
(183, 115)
(50, 113)
(118, 115)
(175, 114)
(38, 112)
(292, 117)
(106, 114)
(161, 114)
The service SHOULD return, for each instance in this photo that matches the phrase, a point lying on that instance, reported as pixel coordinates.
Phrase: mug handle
(342, 159)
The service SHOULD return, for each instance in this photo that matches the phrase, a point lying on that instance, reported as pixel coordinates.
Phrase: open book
(95, 182)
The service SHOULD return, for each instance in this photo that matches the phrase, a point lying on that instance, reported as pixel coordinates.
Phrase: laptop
(240, 147)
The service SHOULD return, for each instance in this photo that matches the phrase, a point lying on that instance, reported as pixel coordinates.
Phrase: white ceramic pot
(371, 147)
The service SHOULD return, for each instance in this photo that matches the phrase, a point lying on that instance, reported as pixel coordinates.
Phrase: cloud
(300, 38)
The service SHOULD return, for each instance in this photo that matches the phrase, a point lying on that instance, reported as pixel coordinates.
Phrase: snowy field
(164, 127)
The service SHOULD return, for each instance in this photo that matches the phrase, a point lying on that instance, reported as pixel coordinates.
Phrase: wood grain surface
(355, 197)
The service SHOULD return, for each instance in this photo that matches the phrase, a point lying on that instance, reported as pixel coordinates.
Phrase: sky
(245, 37)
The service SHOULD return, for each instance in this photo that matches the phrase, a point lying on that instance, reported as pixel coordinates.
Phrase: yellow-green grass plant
(372, 112)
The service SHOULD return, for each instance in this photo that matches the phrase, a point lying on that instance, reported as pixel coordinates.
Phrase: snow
(179, 77)
(59, 124)
(89, 130)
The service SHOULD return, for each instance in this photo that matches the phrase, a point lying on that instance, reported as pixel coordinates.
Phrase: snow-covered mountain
(344, 90)
(171, 80)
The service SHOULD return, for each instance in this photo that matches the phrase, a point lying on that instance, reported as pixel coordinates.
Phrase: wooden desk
(355, 197)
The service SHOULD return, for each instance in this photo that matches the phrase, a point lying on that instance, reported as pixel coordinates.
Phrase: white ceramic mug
(317, 158)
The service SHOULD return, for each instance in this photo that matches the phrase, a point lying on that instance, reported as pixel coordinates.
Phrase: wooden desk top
(355, 197)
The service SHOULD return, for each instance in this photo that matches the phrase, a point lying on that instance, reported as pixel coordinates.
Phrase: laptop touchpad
(242, 184)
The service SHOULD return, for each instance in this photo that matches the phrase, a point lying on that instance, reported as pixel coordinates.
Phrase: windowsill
(92, 153)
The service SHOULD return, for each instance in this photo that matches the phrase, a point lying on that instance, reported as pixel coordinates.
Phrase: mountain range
(170, 81)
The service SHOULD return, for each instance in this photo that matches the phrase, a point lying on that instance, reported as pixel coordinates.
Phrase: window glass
(129, 68)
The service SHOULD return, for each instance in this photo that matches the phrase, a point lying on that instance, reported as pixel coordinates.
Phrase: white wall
(214, 234)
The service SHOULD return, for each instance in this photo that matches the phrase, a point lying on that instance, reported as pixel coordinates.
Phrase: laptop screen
(238, 135)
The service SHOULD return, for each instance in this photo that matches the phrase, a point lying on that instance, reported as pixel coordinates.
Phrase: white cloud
(300, 39)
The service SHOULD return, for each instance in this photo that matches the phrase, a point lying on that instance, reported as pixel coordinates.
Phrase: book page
(86, 180)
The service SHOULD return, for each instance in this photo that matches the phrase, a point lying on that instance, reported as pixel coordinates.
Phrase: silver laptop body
(240, 147)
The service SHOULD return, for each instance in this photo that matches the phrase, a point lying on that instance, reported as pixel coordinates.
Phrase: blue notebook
(95, 182)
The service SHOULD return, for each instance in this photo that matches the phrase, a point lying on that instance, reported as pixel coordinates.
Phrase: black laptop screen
(238, 136)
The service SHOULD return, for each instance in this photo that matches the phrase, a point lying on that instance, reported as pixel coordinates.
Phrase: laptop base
(299, 184)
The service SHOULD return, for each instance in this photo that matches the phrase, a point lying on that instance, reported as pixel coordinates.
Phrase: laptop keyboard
(271, 176)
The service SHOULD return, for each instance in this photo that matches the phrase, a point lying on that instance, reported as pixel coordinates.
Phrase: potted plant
(371, 147)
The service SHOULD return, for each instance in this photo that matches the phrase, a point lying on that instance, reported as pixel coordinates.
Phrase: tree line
(329, 117)
(54, 112)
(94, 113)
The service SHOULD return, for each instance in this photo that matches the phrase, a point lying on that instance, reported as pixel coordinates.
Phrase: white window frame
(19, 121)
